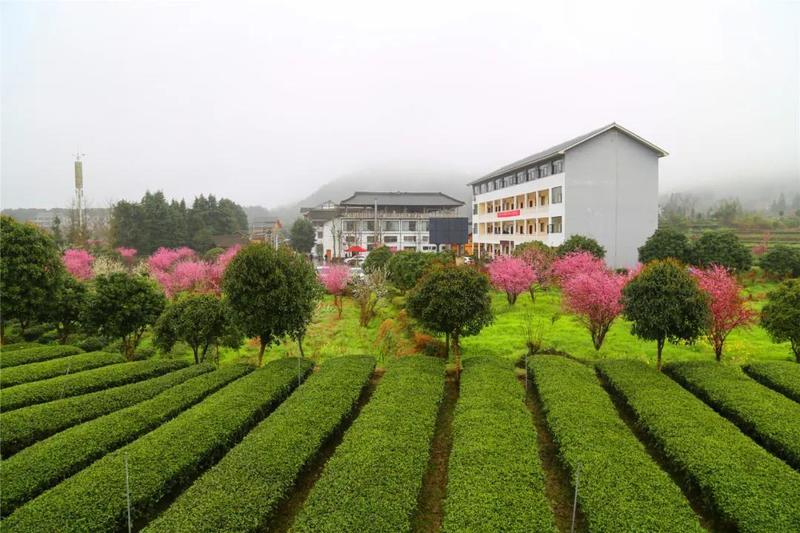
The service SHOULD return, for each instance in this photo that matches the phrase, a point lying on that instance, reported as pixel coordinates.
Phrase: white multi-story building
(398, 220)
(603, 184)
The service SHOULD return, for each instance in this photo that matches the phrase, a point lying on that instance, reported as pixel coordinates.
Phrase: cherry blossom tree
(726, 305)
(128, 255)
(179, 270)
(540, 259)
(78, 263)
(573, 264)
(335, 279)
(595, 297)
(511, 275)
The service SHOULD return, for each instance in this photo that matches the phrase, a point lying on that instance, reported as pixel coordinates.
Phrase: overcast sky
(263, 102)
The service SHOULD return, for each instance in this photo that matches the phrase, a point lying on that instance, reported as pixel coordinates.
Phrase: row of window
(555, 226)
(556, 197)
(387, 239)
(534, 173)
(386, 225)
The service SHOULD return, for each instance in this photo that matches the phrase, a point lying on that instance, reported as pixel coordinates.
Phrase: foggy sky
(263, 103)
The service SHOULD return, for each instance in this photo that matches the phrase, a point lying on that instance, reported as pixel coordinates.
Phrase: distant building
(266, 229)
(603, 184)
(398, 220)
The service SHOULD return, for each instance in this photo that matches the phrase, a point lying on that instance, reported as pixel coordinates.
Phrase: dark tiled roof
(418, 199)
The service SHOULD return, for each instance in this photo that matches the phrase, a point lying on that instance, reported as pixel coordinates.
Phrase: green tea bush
(495, 481)
(25, 353)
(769, 417)
(242, 492)
(105, 377)
(159, 462)
(23, 427)
(33, 333)
(91, 344)
(782, 376)
(71, 364)
(372, 481)
(621, 487)
(749, 488)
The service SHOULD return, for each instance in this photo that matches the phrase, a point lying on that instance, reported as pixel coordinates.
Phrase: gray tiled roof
(555, 150)
(419, 199)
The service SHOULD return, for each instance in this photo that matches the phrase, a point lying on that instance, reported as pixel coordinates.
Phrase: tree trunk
(2, 332)
(718, 352)
(796, 350)
(660, 348)
(457, 354)
(194, 351)
(261, 353)
(447, 346)
(532, 293)
(300, 345)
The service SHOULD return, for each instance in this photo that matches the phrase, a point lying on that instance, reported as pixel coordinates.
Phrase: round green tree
(68, 304)
(302, 235)
(581, 243)
(781, 315)
(454, 301)
(377, 258)
(666, 243)
(664, 303)
(406, 268)
(272, 293)
(781, 261)
(123, 306)
(722, 248)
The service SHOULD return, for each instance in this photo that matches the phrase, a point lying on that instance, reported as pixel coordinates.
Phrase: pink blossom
(511, 275)
(164, 258)
(78, 263)
(595, 296)
(178, 270)
(541, 261)
(574, 263)
(335, 279)
(128, 255)
(217, 269)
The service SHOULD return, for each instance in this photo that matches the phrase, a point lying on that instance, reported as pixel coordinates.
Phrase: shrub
(70, 364)
(377, 258)
(781, 261)
(781, 315)
(722, 248)
(485, 490)
(615, 468)
(160, 461)
(242, 492)
(13, 347)
(92, 344)
(372, 481)
(39, 467)
(782, 376)
(767, 416)
(83, 382)
(666, 243)
(406, 268)
(23, 427)
(429, 345)
(35, 332)
(27, 353)
(581, 243)
(748, 487)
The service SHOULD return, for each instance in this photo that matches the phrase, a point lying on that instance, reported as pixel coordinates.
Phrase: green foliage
(93, 499)
(92, 344)
(666, 243)
(767, 416)
(70, 364)
(377, 258)
(747, 486)
(199, 320)
(25, 353)
(30, 267)
(64, 310)
(39, 467)
(242, 492)
(581, 243)
(37, 331)
(665, 303)
(781, 261)
(122, 306)
(83, 382)
(406, 268)
(781, 315)
(722, 248)
(372, 481)
(519, 250)
(272, 293)
(302, 235)
(486, 489)
(782, 376)
(621, 487)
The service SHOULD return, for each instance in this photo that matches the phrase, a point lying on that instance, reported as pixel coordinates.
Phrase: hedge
(495, 481)
(782, 376)
(769, 417)
(161, 461)
(621, 488)
(39, 467)
(23, 427)
(33, 353)
(13, 347)
(242, 492)
(749, 488)
(84, 382)
(372, 480)
(71, 364)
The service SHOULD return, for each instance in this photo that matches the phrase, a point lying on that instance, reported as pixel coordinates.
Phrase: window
(350, 225)
(555, 195)
(422, 225)
(558, 166)
(391, 225)
(544, 170)
(532, 174)
(424, 238)
(409, 248)
(409, 238)
(521, 177)
(490, 186)
(483, 187)
(350, 239)
(411, 225)
(370, 239)
(476, 189)
(555, 225)
(474, 209)
(390, 239)
(474, 229)
(319, 235)
(368, 225)
(498, 183)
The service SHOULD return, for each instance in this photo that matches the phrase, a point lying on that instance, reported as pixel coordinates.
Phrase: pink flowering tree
(78, 263)
(511, 275)
(335, 279)
(540, 260)
(574, 263)
(128, 255)
(595, 297)
(179, 270)
(217, 268)
(727, 306)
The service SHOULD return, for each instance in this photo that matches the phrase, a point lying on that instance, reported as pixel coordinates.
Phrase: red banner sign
(506, 214)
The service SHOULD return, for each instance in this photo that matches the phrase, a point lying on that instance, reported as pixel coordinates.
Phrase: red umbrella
(356, 249)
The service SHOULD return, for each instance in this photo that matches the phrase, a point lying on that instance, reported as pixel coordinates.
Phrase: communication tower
(80, 206)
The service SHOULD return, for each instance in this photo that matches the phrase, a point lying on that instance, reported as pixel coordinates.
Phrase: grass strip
(48, 390)
(372, 481)
(161, 461)
(748, 487)
(68, 364)
(782, 376)
(495, 481)
(769, 417)
(22, 427)
(621, 487)
(242, 492)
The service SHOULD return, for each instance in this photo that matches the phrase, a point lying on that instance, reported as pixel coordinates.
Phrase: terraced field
(162, 446)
